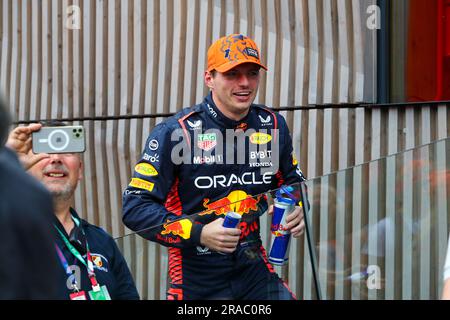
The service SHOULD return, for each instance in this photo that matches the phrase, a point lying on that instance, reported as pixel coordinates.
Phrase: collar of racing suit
(219, 117)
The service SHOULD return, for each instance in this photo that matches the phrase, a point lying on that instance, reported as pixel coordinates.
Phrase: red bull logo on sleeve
(237, 201)
(180, 228)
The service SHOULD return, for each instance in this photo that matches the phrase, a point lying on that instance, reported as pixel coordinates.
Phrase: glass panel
(380, 229)
(148, 261)
(377, 231)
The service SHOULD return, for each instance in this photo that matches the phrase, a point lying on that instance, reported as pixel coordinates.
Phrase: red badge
(78, 296)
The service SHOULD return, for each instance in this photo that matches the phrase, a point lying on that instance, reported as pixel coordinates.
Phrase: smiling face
(59, 173)
(235, 90)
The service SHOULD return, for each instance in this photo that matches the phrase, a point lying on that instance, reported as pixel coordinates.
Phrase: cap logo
(231, 51)
(252, 52)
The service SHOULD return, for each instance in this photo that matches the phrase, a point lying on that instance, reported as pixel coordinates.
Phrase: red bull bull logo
(242, 126)
(237, 201)
(221, 206)
(180, 228)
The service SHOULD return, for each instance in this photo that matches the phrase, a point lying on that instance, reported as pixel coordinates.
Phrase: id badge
(81, 295)
(99, 293)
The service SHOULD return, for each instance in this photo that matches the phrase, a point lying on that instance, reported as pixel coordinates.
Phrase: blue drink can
(232, 220)
(279, 251)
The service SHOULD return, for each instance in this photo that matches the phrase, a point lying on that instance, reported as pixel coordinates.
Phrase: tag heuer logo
(207, 141)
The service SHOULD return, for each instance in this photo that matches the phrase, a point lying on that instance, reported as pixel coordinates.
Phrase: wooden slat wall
(134, 57)
(318, 52)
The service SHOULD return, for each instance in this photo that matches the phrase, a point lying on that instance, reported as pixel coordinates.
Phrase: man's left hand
(295, 222)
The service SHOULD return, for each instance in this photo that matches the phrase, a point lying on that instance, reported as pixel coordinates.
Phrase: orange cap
(231, 51)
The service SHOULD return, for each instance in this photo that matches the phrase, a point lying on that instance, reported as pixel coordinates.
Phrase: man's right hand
(218, 238)
(19, 140)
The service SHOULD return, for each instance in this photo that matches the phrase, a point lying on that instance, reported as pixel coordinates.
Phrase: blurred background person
(28, 260)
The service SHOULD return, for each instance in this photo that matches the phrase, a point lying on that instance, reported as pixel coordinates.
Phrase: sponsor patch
(180, 228)
(151, 158)
(261, 164)
(260, 138)
(195, 125)
(242, 126)
(141, 184)
(201, 251)
(207, 141)
(248, 178)
(252, 52)
(99, 261)
(266, 120)
(208, 159)
(263, 154)
(237, 201)
(153, 145)
(146, 169)
(211, 110)
(127, 192)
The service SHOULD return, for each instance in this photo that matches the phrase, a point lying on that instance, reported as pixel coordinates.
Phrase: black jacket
(27, 255)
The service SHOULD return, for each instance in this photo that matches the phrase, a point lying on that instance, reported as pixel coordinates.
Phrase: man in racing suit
(218, 156)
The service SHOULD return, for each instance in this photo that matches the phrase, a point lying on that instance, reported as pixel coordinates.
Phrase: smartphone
(62, 139)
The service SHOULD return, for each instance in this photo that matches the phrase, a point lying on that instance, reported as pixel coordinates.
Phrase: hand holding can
(279, 252)
(232, 220)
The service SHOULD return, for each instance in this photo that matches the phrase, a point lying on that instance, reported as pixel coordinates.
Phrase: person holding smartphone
(92, 267)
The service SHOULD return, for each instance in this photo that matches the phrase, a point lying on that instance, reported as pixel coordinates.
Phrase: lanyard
(89, 264)
(65, 265)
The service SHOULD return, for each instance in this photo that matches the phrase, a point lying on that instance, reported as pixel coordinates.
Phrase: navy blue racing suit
(193, 164)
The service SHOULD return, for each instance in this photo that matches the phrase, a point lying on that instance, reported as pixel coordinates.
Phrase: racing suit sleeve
(144, 198)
